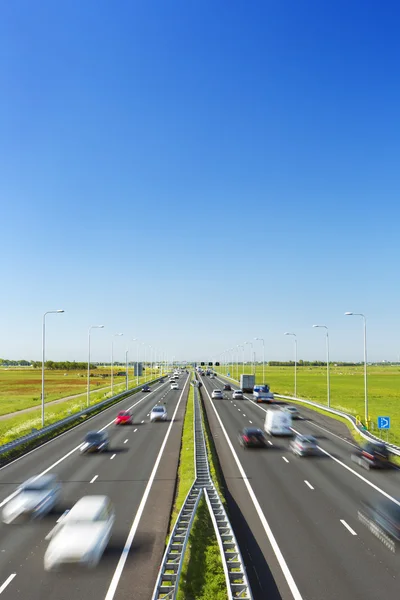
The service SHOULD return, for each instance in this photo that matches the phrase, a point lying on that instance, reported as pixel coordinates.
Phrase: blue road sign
(383, 422)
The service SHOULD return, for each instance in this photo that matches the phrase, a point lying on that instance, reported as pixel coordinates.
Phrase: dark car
(227, 387)
(383, 520)
(146, 388)
(373, 455)
(95, 441)
(250, 437)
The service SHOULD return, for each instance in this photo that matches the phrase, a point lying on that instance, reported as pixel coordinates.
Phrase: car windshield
(36, 486)
(93, 437)
(307, 440)
(256, 432)
(123, 413)
(158, 409)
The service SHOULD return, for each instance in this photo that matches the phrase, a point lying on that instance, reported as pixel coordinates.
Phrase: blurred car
(217, 394)
(158, 413)
(95, 441)
(34, 499)
(304, 445)
(212, 376)
(251, 437)
(227, 387)
(293, 410)
(124, 417)
(161, 380)
(373, 455)
(146, 388)
(174, 386)
(82, 534)
(237, 395)
(383, 520)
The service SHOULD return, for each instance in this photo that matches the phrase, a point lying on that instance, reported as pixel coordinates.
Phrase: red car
(124, 418)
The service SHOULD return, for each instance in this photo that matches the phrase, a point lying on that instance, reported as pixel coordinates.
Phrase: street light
(327, 363)
(43, 354)
(262, 340)
(88, 365)
(295, 362)
(112, 361)
(251, 355)
(137, 360)
(351, 314)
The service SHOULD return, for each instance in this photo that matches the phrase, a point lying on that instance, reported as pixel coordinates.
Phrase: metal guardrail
(169, 574)
(352, 420)
(76, 416)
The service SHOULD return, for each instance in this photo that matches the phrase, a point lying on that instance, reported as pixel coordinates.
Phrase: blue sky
(196, 174)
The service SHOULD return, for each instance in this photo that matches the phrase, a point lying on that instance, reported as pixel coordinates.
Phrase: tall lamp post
(295, 362)
(43, 353)
(112, 361)
(126, 370)
(263, 343)
(351, 314)
(88, 364)
(327, 363)
(251, 356)
(137, 360)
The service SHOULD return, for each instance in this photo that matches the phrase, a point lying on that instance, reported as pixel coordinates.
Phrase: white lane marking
(7, 582)
(282, 563)
(285, 459)
(113, 456)
(142, 421)
(234, 405)
(251, 422)
(239, 409)
(244, 415)
(309, 484)
(135, 430)
(270, 443)
(129, 540)
(60, 460)
(94, 479)
(343, 522)
(127, 440)
(330, 432)
(148, 414)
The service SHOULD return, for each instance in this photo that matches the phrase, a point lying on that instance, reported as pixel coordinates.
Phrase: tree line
(64, 365)
(309, 363)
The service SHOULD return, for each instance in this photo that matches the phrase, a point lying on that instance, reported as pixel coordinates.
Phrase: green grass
(20, 388)
(347, 389)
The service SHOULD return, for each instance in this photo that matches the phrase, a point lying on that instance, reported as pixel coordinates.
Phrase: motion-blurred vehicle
(278, 422)
(237, 395)
(262, 393)
(383, 520)
(293, 410)
(146, 388)
(374, 455)
(161, 380)
(82, 534)
(227, 387)
(304, 445)
(217, 394)
(212, 376)
(251, 437)
(35, 498)
(158, 413)
(124, 417)
(95, 441)
(174, 385)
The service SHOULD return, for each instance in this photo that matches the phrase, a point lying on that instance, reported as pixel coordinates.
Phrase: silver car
(217, 394)
(237, 395)
(34, 499)
(158, 413)
(293, 410)
(304, 445)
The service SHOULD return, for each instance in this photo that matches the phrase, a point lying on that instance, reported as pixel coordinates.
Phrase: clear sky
(199, 173)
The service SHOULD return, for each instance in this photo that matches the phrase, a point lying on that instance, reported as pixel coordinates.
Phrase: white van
(278, 422)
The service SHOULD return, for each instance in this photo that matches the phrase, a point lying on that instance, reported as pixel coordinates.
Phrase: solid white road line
(126, 440)
(343, 522)
(270, 443)
(135, 430)
(60, 460)
(129, 540)
(309, 484)
(285, 459)
(113, 456)
(7, 581)
(94, 479)
(282, 563)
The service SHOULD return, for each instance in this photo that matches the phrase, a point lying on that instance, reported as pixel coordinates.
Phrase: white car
(174, 386)
(34, 499)
(237, 395)
(212, 376)
(293, 410)
(217, 394)
(158, 413)
(82, 534)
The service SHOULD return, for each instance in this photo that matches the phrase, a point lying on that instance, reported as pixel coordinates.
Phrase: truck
(262, 393)
(247, 382)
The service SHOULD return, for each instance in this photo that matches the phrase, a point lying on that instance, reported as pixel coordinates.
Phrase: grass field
(347, 389)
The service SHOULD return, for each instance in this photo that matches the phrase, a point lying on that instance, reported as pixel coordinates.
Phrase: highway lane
(122, 474)
(311, 506)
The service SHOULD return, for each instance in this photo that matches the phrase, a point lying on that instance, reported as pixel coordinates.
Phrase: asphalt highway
(304, 516)
(142, 457)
